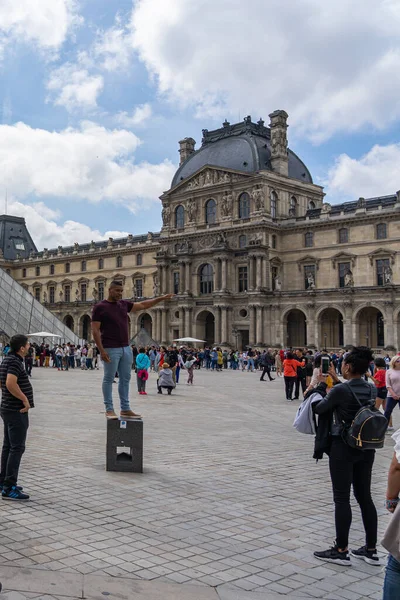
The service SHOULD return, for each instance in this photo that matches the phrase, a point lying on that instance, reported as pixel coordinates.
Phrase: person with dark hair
(350, 466)
(379, 379)
(290, 365)
(110, 328)
(142, 367)
(16, 401)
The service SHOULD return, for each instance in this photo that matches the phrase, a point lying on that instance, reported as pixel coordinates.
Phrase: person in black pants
(16, 401)
(266, 362)
(349, 466)
(300, 375)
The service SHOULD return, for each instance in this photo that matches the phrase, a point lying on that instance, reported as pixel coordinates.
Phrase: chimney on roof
(279, 153)
(186, 148)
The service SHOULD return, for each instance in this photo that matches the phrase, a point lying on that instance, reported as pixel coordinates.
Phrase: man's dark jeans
(266, 370)
(15, 430)
(300, 381)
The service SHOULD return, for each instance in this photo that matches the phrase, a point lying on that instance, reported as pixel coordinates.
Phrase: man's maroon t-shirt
(114, 320)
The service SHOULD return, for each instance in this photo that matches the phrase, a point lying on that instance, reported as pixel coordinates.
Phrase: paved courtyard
(230, 505)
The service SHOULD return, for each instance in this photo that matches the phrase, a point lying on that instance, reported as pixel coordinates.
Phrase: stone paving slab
(230, 497)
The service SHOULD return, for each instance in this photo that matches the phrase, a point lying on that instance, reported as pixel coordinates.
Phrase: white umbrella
(43, 334)
(188, 339)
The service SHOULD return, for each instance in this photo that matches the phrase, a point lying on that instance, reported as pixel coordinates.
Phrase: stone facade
(254, 255)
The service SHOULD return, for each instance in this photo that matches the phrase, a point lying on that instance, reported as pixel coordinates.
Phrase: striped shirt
(13, 364)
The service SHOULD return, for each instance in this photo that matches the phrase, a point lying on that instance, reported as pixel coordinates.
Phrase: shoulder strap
(355, 396)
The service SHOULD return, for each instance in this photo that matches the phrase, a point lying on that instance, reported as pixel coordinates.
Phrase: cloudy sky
(95, 94)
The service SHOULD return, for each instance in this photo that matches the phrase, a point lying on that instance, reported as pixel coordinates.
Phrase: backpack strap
(355, 395)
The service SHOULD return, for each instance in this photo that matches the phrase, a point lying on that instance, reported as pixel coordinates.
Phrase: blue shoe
(19, 487)
(13, 494)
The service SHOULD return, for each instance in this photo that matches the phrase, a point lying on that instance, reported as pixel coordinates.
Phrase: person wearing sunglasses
(393, 386)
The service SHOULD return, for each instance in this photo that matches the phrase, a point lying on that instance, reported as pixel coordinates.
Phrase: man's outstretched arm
(138, 306)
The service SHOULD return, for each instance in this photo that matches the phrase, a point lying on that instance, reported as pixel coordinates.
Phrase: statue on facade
(388, 275)
(166, 213)
(191, 209)
(278, 143)
(77, 295)
(278, 284)
(44, 296)
(258, 198)
(226, 204)
(208, 178)
(155, 286)
(60, 295)
(94, 294)
(310, 281)
(348, 279)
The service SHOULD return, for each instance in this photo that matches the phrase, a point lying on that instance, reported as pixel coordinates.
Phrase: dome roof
(243, 147)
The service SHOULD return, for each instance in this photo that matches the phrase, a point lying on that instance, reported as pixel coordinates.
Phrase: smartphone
(325, 365)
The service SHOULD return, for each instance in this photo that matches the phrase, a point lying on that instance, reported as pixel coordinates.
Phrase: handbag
(143, 374)
(391, 539)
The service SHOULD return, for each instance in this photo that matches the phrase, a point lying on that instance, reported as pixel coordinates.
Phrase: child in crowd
(165, 379)
(379, 379)
(190, 369)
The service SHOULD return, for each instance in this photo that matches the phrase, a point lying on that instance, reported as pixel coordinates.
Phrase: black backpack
(367, 431)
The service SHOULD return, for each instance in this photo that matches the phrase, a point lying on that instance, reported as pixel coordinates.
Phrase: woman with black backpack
(350, 465)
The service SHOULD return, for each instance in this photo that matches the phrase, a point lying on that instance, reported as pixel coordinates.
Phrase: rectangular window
(309, 277)
(139, 288)
(83, 292)
(100, 290)
(37, 294)
(67, 293)
(37, 271)
(344, 269)
(383, 271)
(242, 272)
(309, 239)
(343, 236)
(176, 282)
(52, 294)
(381, 231)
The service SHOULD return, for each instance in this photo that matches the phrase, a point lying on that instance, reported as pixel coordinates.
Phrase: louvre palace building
(253, 253)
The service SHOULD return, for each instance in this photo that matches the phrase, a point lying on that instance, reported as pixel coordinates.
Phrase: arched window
(139, 259)
(293, 207)
(67, 267)
(211, 211)
(83, 265)
(118, 261)
(52, 269)
(343, 235)
(311, 205)
(244, 206)
(309, 239)
(381, 231)
(274, 204)
(37, 271)
(101, 263)
(274, 241)
(179, 217)
(206, 279)
(242, 241)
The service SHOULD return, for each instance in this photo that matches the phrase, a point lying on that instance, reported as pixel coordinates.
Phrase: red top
(381, 377)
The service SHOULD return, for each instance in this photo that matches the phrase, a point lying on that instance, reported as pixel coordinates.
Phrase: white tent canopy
(188, 340)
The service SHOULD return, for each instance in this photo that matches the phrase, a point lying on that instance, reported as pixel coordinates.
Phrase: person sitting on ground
(165, 379)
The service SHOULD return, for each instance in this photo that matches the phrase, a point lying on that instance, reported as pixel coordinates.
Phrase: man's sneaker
(334, 556)
(19, 487)
(13, 494)
(370, 556)
(129, 414)
(111, 414)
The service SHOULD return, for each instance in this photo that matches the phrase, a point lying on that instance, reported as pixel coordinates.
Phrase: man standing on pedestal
(110, 328)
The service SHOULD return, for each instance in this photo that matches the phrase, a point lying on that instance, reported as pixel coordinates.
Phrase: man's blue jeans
(250, 363)
(121, 362)
(391, 587)
(213, 363)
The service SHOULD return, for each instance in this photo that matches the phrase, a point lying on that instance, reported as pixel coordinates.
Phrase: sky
(95, 94)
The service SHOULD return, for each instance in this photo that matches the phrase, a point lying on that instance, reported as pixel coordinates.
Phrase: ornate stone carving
(92, 247)
(348, 279)
(59, 251)
(278, 284)
(388, 275)
(361, 203)
(326, 208)
(166, 214)
(155, 285)
(258, 198)
(226, 204)
(310, 281)
(191, 208)
(110, 242)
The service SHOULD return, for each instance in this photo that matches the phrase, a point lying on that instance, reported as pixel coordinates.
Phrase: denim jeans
(59, 360)
(121, 362)
(15, 430)
(250, 363)
(390, 405)
(213, 363)
(391, 586)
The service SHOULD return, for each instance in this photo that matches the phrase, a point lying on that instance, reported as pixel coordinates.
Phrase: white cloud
(74, 88)
(333, 65)
(47, 233)
(139, 115)
(87, 163)
(113, 47)
(44, 22)
(374, 174)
